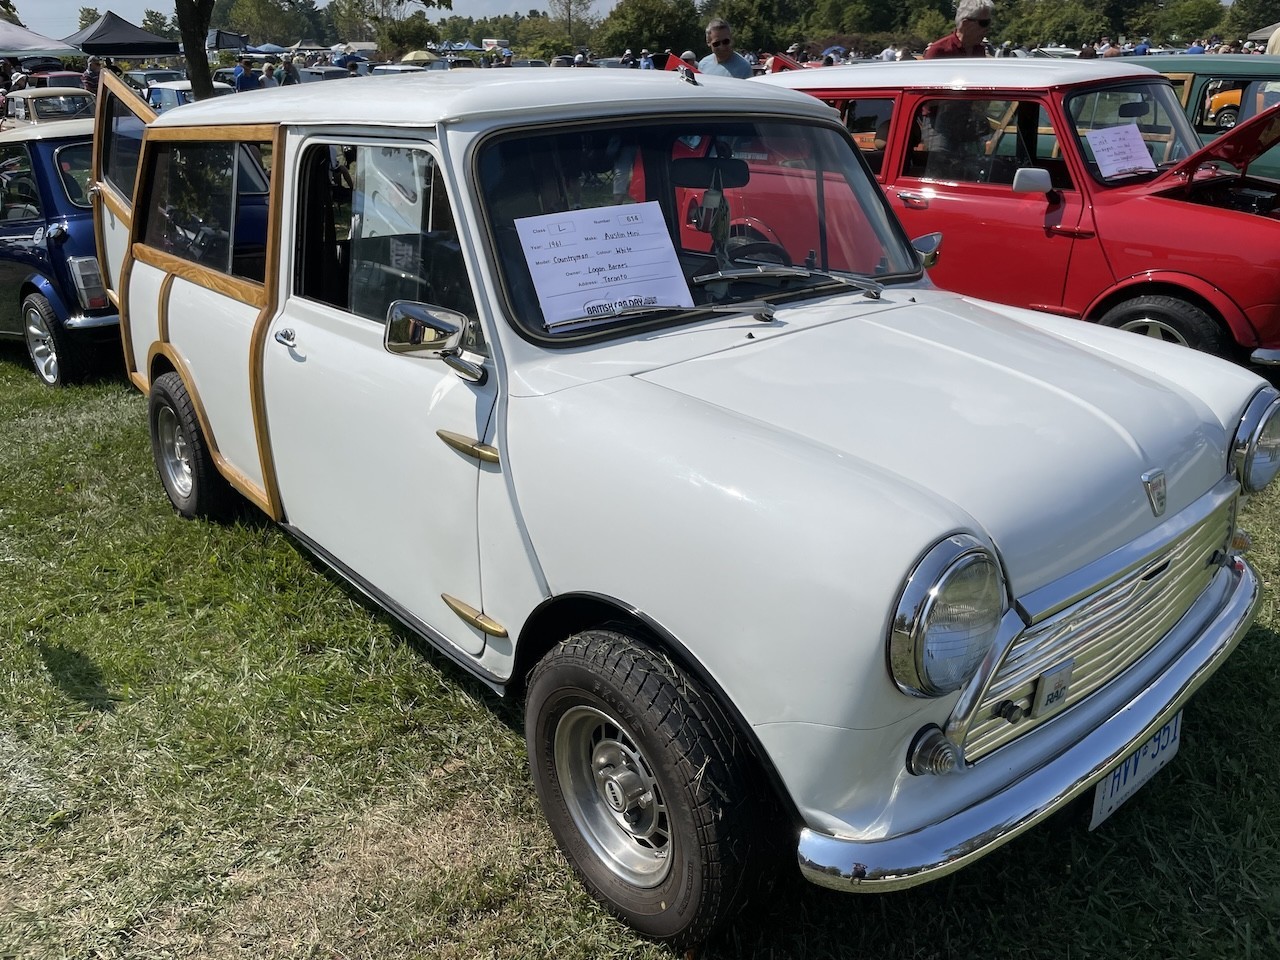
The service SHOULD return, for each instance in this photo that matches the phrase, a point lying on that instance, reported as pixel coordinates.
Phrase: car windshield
(63, 107)
(1131, 132)
(602, 228)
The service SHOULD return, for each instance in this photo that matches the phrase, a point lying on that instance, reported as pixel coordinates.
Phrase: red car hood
(1244, 144)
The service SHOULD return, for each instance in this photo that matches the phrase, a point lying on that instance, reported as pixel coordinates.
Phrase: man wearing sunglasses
(973, 20)
(723, 60)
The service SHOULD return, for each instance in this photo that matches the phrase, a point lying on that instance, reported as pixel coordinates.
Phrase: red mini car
(1077, 188)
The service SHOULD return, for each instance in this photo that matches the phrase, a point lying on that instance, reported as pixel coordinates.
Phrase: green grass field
(209, 748)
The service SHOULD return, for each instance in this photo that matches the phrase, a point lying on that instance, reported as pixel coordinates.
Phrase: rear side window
(868, 123)
(73, 163)
(122, 146)
(207, 203)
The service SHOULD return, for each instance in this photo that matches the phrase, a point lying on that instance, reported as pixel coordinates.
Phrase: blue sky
(61, 18)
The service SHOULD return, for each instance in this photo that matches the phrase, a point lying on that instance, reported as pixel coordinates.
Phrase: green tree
(655, 24)
(1245, 16)
(88, 15)
(265, 21)
(1190, 18)
(398, 36)
(767, 25)
(153, 21)
(576, 19)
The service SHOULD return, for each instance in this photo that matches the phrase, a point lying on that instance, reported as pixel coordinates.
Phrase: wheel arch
(1221, 308)
(560, 617)
(39, 283)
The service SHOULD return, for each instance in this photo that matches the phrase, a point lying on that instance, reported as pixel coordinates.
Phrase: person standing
(92, 75)
(973, 19)
(723, 60)
(646, 60)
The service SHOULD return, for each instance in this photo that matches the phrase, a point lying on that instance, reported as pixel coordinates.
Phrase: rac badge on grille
(1153, 480)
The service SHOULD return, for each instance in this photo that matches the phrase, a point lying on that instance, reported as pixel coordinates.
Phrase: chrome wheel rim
(40, 345)
(175, 457)
(612, 796)
(1156, 329)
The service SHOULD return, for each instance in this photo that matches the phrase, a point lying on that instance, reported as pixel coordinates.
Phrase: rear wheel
(1171, 320)
(641, 784)
(57, 358)
(181, 453)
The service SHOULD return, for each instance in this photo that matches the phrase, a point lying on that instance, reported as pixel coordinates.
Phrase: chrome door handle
(286, 336)
(916, 201)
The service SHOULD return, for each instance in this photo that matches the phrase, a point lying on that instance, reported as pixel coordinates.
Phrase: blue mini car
(51, 290)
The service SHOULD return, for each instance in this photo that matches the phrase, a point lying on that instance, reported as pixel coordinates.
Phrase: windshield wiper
(870, 287)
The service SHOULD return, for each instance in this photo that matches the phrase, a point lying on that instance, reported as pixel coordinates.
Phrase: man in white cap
(646, 60)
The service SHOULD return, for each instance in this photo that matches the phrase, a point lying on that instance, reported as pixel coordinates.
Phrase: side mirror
(423, 330)
(1032, 180)
(929, 247)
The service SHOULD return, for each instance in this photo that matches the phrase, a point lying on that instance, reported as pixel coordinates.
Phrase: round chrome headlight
(1257, 447)
(946, 618)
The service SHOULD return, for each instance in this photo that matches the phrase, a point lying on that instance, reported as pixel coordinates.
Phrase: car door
(955, 164)
(378, 454)
(121, 117)
(22, 230)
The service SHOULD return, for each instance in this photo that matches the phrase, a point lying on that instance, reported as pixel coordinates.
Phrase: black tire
(1227, 117)
(181, 453)
(55, 354)
(642, 784)
(1174, 321)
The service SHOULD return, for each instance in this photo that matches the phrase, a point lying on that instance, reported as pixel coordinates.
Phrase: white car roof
(56, 130)
(28, 93)
(185, 85)
(959, 73)
(430, 97)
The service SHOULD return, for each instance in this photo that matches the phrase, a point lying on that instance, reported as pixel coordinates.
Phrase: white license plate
(1135, 770)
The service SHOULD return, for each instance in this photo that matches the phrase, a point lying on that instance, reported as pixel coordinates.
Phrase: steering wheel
(759, 250)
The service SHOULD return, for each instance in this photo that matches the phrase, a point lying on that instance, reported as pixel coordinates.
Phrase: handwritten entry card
(591, 264)
(1119, 150)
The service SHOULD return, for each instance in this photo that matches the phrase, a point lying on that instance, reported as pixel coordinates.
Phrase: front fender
(1170, 283)
(775, 561)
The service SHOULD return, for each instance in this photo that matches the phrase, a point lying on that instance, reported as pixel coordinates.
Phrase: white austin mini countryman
(628, 393)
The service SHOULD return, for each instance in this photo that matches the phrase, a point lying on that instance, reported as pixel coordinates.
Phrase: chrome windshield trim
(1072, 767)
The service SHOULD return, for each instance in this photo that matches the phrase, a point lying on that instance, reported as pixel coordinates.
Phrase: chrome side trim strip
(943, 847)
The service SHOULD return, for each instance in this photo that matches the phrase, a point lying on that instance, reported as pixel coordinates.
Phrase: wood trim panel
(237, 288)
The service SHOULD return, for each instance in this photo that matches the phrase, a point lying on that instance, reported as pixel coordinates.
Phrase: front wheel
(1171, 320)
(1227, 117)
(641, 784)
(55, 355)
(181, 452)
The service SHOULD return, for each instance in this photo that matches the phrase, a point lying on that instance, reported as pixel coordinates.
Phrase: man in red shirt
(973, 19)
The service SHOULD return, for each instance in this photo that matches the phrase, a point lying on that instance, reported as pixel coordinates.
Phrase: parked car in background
(395, 69)
(144, 78)
(1209, 86)
(452, 63)
(51, 292)
(529, 63)
(55, 78)
(313, 74)
(175, 93)
(47, 104)
(1007, 541)
(1073, 187)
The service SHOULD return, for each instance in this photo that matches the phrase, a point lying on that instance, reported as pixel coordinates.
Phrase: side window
(375, 226)
(207, 203)
(953, 139)
(1219, 109)
(868, 123)
(122, 146)
(21, 198)
(73, 164)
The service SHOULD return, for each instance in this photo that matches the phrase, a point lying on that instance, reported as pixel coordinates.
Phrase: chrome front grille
(1104, 634)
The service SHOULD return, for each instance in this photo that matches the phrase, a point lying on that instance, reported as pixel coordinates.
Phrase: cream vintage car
(775, 540)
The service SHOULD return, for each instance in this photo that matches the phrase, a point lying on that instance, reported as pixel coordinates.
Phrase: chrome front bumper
(943, 847)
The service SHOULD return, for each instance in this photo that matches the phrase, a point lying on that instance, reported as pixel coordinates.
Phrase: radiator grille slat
(1104, 634)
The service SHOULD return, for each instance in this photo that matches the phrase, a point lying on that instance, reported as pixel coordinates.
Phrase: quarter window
(208, 204)
(122, 146)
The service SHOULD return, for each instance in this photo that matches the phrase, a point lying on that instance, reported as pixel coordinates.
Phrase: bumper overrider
(1075, 765)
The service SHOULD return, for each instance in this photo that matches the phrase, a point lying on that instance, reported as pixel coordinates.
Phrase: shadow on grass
(77, 676)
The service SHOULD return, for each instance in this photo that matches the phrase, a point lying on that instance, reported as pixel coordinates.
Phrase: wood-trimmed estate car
(774, 538)
(1074, 187)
